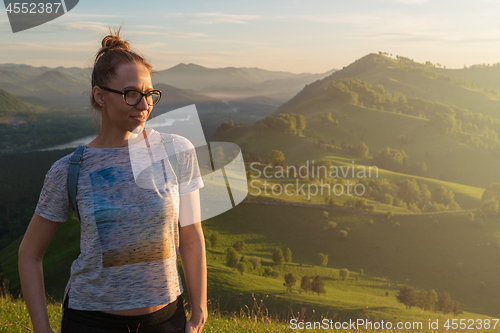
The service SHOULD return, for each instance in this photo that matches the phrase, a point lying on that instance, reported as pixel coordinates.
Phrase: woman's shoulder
(58, 172)
(61, 165)
(181, 143)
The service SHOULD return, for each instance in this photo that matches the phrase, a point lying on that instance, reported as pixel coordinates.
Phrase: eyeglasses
(133, 97)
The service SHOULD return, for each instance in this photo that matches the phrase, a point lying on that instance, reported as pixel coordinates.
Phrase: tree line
(429, 301)
(466, 126)
(287, 123)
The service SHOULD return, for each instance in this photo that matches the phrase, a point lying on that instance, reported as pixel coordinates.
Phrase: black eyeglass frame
(123, 93)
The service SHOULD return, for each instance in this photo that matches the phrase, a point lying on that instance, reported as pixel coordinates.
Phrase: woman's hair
(113, 52)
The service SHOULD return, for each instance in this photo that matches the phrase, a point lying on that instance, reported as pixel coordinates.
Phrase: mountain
(413, 80)
(28, 70)
(9, 105)
(233, 83)
(465, 154)
(173, 98)
(47, 84)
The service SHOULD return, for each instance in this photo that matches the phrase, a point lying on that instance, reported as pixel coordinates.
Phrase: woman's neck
(108, 139)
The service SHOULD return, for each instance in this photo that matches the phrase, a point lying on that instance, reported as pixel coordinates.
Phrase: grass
(426, 250)
(447, 159)
(422, 250)
(14, 318)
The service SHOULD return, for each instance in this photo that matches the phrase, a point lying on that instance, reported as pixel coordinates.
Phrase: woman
(126, 277)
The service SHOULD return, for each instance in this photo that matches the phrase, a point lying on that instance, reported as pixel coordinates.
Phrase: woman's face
(118, 116)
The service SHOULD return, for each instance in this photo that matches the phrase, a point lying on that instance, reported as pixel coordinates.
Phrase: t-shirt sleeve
(190, 177)
(53, 203)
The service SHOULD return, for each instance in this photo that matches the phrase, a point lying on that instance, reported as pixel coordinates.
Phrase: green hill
(11, 106)
(441, 252)
(463, 156)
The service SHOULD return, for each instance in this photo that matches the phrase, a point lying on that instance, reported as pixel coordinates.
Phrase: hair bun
(111, 42)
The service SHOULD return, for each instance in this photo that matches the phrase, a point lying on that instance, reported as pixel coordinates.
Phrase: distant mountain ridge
(236, 83)
(71, 85)
(410, 78)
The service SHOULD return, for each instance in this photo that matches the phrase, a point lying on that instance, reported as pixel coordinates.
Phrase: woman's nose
(142, 105)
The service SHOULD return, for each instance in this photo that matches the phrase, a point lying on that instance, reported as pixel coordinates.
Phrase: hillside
(400, 122)
(454, 257)
(413, 80)
(11, 106)
(49, 85)
(484, 76)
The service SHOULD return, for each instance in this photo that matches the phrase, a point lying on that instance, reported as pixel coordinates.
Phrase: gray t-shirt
(129, 234)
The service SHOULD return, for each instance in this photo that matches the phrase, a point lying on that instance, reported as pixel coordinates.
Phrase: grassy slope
(417, 85)
(427, 253)
(421, 250)
(378, 129)
(61, 252)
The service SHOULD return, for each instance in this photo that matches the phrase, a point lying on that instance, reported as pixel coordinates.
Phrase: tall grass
(14, 318)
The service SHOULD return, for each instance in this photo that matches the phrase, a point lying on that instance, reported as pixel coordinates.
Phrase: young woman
(126, 277)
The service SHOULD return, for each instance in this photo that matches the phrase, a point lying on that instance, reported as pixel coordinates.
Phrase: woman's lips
(139, 118)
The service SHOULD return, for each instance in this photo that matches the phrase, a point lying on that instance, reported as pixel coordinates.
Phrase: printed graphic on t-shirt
(119, 205)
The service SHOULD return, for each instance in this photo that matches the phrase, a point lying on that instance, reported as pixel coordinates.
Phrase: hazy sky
(295, 36)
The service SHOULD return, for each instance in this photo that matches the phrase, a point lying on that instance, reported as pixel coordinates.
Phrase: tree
(218, 154)
(344, 273)
(456, 308)
(305, 284)
(255, 262)
(245, 260)
(215, 239)
(422, 299)
(322, 259)
(432, 299)
(409, 191)
(490, 208)
(327, 117)
(276, 158)
(300, 123)
(288, 255)
(492, 192)
(278, 257)
(406, 296)
(242, 267)
(238, 246)
(391, 159)
(232, 258)
(290, 281)
(267, 271)
(390, 215)
(361, 150)
(444, 196)
(318, 286)
(444, 302)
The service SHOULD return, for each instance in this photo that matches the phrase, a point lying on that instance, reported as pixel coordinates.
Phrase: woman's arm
(38, 236)
(193, 257)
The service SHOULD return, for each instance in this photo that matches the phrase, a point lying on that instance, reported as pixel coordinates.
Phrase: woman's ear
(98, 95)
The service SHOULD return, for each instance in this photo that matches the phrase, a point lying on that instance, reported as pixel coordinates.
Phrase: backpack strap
(74, 170)
(172, 154)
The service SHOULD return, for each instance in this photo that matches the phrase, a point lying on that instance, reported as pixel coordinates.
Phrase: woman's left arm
(193, 257)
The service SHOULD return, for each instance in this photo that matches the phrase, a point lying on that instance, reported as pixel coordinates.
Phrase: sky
(312, 36)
